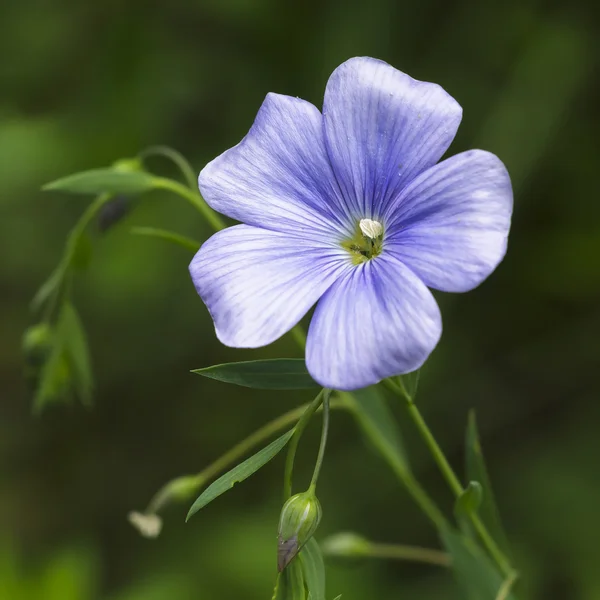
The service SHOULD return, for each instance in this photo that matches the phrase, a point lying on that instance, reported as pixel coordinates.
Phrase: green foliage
(313, 568)
(66, 367)
(239, 473)
(410, 382)
(469, 501)
(271, 374)
(374, 416)
(477, 472)
(474, 572)
(99, 181)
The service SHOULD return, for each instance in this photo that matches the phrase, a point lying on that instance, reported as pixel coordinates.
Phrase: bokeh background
(85, 83)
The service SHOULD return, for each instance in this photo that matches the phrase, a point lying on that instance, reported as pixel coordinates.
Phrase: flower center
(366, 243)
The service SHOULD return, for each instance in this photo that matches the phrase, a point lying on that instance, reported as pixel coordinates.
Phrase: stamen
(371, 229)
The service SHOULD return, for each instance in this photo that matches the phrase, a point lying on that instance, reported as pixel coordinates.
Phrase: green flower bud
(299, 519)
(37, 343)
(346, 545)
(128, 164)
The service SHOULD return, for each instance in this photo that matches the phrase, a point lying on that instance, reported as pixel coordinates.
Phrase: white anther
(372, 229)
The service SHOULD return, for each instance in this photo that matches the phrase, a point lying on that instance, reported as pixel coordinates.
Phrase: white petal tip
(371, 229)
(149, 525)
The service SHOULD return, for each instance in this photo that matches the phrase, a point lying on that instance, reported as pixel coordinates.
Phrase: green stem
(450, 476)
(165, 494)
(175, 157)
(293, 445)
(194, 198)
(323, 444)
(73, 240)
(409, 553)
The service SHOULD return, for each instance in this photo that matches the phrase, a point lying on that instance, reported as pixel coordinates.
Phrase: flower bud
(148, 524)
(37, 342)
(112, 212)
(346, 545)
(299, 519)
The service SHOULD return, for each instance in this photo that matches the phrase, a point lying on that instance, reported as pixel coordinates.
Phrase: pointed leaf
(239, 473)
(313, 567)
(295, 582)
(377, 421)
(477, 471)
(473, 570)
(272, 374)
(76, 348)
(98, 181)
(168, 236)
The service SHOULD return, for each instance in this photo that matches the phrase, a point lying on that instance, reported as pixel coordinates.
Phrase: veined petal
(376, 321)
(257, 284)
(279, 176)
(450, 225)
(382, 128)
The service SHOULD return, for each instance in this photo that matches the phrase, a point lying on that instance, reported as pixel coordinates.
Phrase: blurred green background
(83, 84)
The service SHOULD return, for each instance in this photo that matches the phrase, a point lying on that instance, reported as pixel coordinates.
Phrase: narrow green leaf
(411, 382)
(469, 501)
(239, 473)
(313, 567)
(294, 580)
(272, 374)
(477, 471)
(76, 348)
(473, 570)
(167, 236)
(48, 288)
(377, 421)
(97, 181)
(54, 379)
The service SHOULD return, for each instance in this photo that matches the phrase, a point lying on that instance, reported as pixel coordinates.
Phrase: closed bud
(37, 343)
(112, 212)
(128, 164)
(346, 545)
(299, 519)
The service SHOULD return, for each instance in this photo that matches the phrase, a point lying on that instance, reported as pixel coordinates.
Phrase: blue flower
(349, 210)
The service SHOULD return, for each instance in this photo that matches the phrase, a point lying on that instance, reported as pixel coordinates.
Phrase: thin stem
(505, 588)
(165, 494)
(194, 198)
(293, 445)
(323, 444)
(175, 157)
(73, 240)
(452, 480)
(410, 553)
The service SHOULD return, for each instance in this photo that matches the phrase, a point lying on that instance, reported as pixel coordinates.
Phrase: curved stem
(194, 198)
(195, 482)
(323, 444)
(293, 445)
(175, 157)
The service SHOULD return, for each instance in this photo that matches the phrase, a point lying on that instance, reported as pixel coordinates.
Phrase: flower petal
(279, 176)
(450, 225)
(257, 284)
(382, 128)
(376, 321)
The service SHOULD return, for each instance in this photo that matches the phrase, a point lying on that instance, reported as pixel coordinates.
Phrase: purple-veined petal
(257, 284)
(382, 128)
(279, 176)
(450, 225)
(376, 321)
